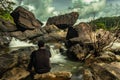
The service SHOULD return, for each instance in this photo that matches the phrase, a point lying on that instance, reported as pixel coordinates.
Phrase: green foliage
(7, 16)
(108, 23)
(6, 6)
(100, 25)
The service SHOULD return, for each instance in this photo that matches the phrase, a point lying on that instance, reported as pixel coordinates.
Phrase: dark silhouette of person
(40, 59)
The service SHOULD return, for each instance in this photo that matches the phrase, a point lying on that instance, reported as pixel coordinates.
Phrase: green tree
(6, 6)
(100, 25)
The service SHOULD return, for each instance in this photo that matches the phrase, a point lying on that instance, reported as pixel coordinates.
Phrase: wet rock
(88, 75)
(52, 37)
(12, 59)
(7, 26)
(80, 33)
(107, 57)
(29, 34)
(25, 19)
(75, 52)
(7, 61)
(61, 75)
(80, 40)
(91, 42)
(16, 73)
(103, 71)
(63, 21)
(18, 35)
(51, 28)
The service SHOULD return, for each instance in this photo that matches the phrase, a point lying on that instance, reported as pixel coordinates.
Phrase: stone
(103, 71)
(25, 19)
(61, 75)
(14, 63)
(16, 73)
(87, 75)
(52, 37)
(63, 21)
(7, 61)
(18, 35)
(29, 34)
(51, 28)
(80, 33)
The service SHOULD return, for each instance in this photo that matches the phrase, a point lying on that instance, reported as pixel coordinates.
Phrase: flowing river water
(58, 62)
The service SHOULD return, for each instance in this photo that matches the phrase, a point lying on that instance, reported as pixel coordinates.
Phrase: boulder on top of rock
(80, 33)
(63, 21)
(25, 19)
(7, 26)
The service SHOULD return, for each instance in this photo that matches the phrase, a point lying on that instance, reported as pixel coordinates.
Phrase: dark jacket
(39, 59)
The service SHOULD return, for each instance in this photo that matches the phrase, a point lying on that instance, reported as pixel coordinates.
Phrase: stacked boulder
(79, 41)
(27, 25)
(64, 21)
(56, 27)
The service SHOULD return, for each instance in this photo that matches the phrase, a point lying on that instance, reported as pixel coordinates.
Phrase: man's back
(40, 60)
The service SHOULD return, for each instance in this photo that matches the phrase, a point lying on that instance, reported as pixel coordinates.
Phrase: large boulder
(28, 34)
(63, 21)
(25, 19)
(91, 42)
(61, 75)
(7, 61)
(7, 26)
(16, 73)
(11, 59)
(51, 28)
(52, 37)
(107, 57)
(103, 71)
(75, 52)
(80, 33)
(18, 35)
(79, 40)
(33, 33)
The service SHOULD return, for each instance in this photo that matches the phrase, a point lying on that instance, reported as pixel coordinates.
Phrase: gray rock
(25, 19)
(103, 71)
(11, 59)
(18, 35)
(63, 21)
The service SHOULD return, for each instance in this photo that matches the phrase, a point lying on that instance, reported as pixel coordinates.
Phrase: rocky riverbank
(83, 44)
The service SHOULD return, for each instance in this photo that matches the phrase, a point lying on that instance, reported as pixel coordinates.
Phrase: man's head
(41, 43)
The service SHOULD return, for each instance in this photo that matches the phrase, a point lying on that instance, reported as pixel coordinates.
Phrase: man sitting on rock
(40, 59)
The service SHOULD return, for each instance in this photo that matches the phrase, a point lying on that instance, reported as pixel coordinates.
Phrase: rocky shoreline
(82, 43)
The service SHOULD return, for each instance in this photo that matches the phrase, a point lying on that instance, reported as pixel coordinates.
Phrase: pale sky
(43, 9)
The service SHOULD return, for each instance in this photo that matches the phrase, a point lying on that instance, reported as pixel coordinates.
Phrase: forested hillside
(107, 22)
